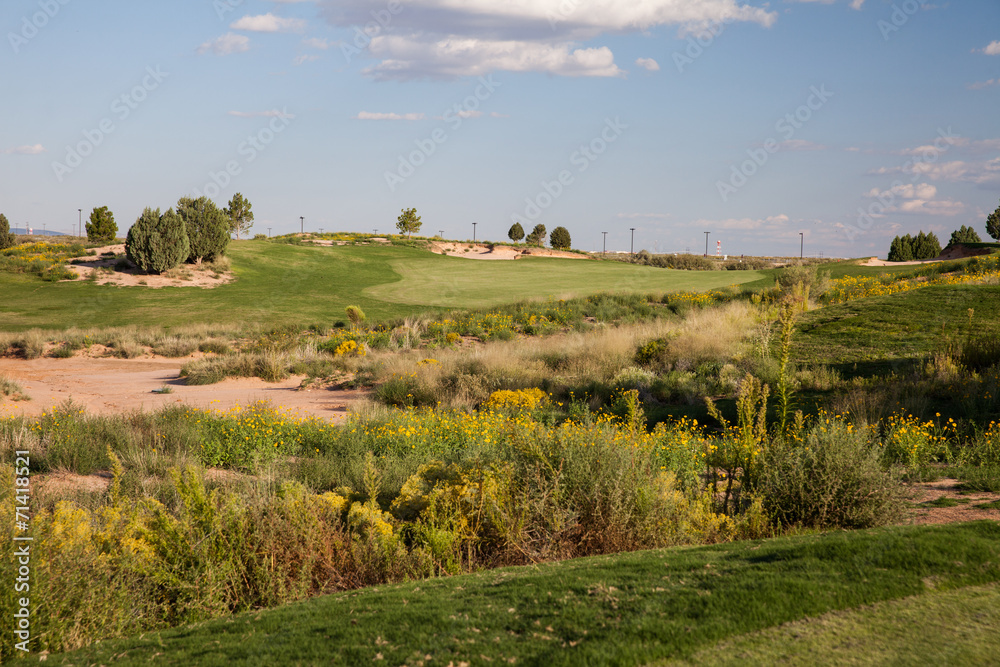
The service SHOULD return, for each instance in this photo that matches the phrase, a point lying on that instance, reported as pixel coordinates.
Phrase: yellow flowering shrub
(520, 400)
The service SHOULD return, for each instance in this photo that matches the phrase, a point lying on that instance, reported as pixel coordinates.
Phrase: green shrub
(560, 239)
(207, 228)
(7, 239)
(157, 243)
(404, 391)
(834, 478)
(101, 228)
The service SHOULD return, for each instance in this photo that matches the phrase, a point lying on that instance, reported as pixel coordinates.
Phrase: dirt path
(944, 501)
(105, 386)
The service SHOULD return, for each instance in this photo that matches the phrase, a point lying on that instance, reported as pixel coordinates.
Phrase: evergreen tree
(240, 214)
(516, 232)
(6, 238)
(537, 236)
(207, 228)
(560, 238)
(102, 227)
(993, 224)
(156, 243)
(964, 235)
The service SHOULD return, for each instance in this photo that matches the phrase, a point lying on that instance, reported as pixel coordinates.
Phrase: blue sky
(849, 121)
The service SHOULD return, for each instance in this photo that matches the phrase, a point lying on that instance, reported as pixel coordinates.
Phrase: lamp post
(474, 231)
(706, 244)
(605, 251)
(632, 247)
(302, 224)
(320, 230)
(80, 222)
(268, 232)
(441, 233)
(802, 245)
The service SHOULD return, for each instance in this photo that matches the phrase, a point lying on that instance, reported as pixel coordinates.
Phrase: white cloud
(993, 49)
(317, 43)
(979, 85)
(770, 223)
(648, 64)
(225, 45)
(452, 57)
(793, 145)
(304, 58)
(916, 198)
(456, 38)
(37, 149)
(857, 4)
(368, 115)
(273, 113)
(268, 23)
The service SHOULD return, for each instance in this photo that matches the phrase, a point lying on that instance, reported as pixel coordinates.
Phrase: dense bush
(908, 248)
(157, 243)
(834, 478)
(101, 228)
(6, 238)
(560, 239)
(207, 228)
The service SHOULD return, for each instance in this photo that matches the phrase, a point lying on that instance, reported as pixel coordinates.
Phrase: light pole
(302, 224)
(474, 231)
(80, 223)
(320, 230)
(441, 233)
(706, 244)
(632, 229)
(802, 245)
(605, 251)
(268, 232)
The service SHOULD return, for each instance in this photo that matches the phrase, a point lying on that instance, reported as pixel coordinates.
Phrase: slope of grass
(454, 282)
(956, 627)
(614, 610)
(889, 329)
(281, 284)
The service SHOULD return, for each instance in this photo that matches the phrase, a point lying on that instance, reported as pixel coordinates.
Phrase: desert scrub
(834, 477)
(12, 389)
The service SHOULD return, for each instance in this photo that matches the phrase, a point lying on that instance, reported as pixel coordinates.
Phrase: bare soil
(966, 507)
(483, 251)
(106, 386)
(103, 268)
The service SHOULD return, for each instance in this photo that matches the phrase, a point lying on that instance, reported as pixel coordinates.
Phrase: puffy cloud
(37, 149)
(770, 223)
(452, 57)
(452, 38)
(225, 45)
(979, 85)
(993, 49)
(916, 198)
(648, 64)
(368, 115)
(268, 23)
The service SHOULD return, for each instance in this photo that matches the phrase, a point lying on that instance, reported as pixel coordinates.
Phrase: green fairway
(627, 609)
(454, 282)
(281, 284)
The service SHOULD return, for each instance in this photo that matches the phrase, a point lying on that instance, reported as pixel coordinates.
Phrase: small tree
(516, 232)
(901, 249)
(926, 246)
(156, 243)
(240, 214)
(537, 236)
(408, 221)
(102, 227)
(993, 224)
(207, 228)
(6, 238)
(560, 239)
(964, 235)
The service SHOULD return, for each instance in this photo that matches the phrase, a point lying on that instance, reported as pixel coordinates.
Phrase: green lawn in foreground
(278, 283)
(626, 609)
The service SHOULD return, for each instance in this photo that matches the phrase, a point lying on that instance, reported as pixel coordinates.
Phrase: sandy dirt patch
(105, 386)
(185, 275)
(483, 251)
(964, 506)
(951, 252)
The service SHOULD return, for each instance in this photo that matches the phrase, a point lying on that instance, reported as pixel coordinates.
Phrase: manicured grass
(836, 270)
(958, 627)
(626, 609)
(282, 284)
(882, 331)
(454, 282)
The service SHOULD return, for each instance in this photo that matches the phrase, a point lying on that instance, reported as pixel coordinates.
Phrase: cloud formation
(37, 149)
(450, 39)
(268, 23)
(225, 45)
(992, 49)
(368, 115)
(648, 64)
